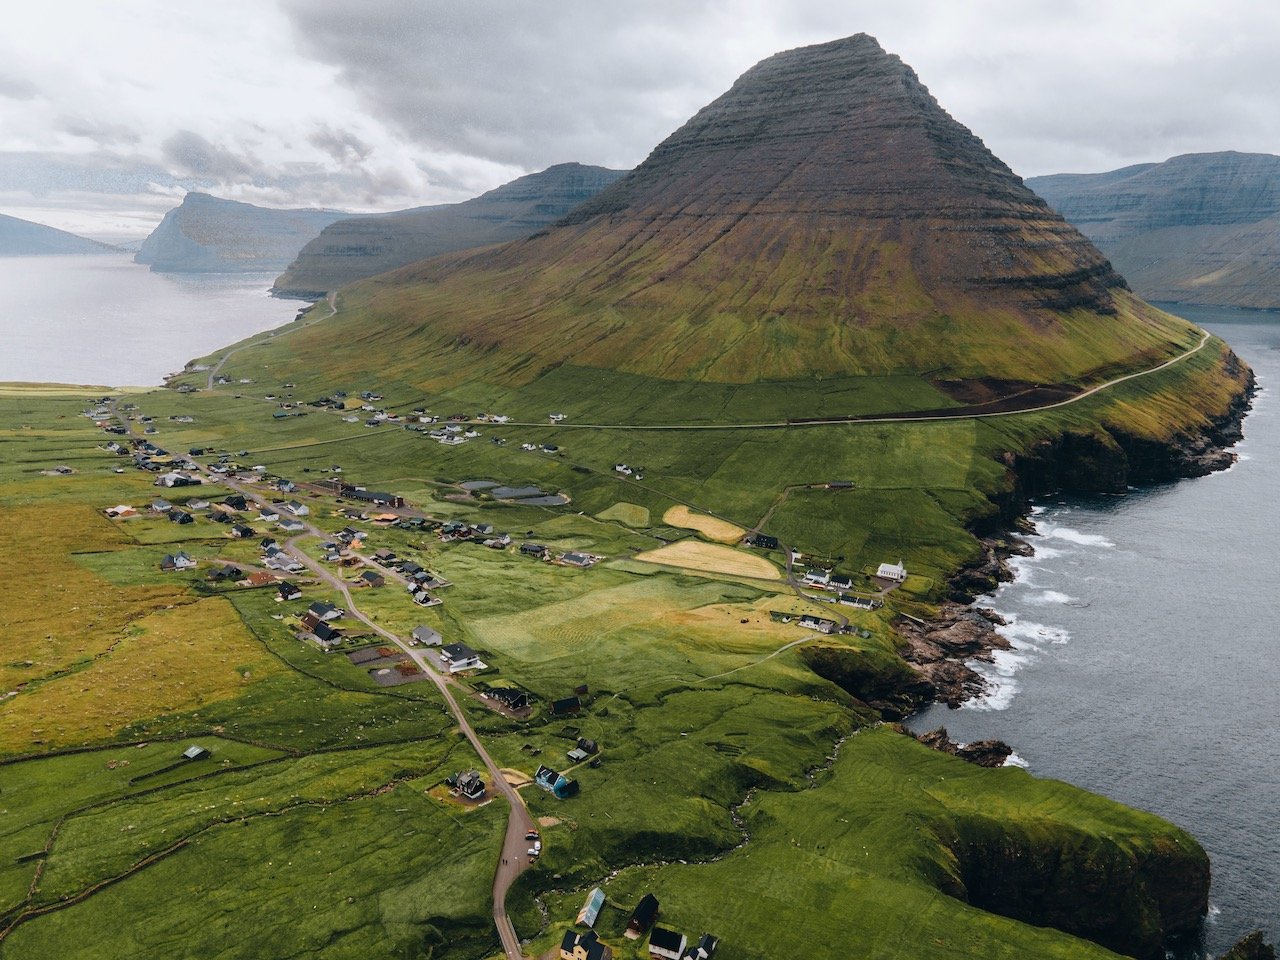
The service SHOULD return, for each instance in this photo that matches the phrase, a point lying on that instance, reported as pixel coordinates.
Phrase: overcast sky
(109, 112)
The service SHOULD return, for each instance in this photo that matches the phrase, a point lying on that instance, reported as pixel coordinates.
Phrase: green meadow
(757, 800)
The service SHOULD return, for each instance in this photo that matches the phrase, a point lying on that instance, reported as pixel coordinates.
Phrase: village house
(642, 918)
(510, 697)
(260, 578)
(534, 550)
(469, 784)
(161, 506)
(327, 636)
(289, 591)
(371, 578)
(704, 949)
(325, 611)
(241, 532)
(120, 511)
(762, 541)
(180, 516)
(817, 578)
(557, 784)
(176, 561)
(458, 657)
(269, 513)
(422, 597)
(226, 572)
(892, 571)
(582, 560)
(297, 508)
(565, 706)
(666, 944)
(584, 946)
(426, 636)
(810, 622)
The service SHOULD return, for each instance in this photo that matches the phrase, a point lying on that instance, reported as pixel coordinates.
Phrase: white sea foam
(1050, 596)
(1013, 760)
(1075, 536)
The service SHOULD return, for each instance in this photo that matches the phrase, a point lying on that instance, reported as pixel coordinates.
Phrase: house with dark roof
(324, 611)
(470, 784)
(565, 706)
(176, 561)
(642, 918)
(555, 783)
(584, 946)
(426, 636)
(576, 559)
(371, 578)
(289, 591)
(226, 572)
(327, 635)
(458, 656)
(195, 752)
(241, 532)
(667, 944)
(704, 949)
(510, 697)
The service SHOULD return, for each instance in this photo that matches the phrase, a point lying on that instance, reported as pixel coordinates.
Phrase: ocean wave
(1070, 535)
(1050, 596)
(1027, 634)
(1013, 760)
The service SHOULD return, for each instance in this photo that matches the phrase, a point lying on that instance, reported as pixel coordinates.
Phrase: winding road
(331, 300)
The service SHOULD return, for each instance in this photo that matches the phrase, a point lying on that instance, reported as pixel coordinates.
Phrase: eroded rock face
(983, 753)
(358, 247)
(845, 132)
(940, 648)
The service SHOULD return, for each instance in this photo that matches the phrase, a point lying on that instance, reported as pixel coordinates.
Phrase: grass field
(317, 803)
(710, 527)
(711, 558)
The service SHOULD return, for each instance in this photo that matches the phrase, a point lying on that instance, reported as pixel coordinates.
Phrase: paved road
(514, 858)
(854, 419)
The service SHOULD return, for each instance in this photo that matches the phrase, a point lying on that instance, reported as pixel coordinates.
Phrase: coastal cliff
(207, 234)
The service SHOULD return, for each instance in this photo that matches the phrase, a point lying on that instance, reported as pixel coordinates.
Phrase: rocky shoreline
(940, 648)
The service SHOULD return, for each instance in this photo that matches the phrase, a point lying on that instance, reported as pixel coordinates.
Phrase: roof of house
(425, 634)
(457, 651)
(646, 911)
(666, 939)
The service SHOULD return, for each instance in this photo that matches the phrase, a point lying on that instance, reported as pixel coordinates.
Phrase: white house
(892, 571)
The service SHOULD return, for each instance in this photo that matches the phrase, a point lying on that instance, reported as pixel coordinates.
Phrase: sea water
(107, 320)
(1145, 660)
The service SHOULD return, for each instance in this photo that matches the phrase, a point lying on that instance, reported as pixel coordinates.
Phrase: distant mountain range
(1203, 228)
(359, 247)
(206, 234)
(22, 238)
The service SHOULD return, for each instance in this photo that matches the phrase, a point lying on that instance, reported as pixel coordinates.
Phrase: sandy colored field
(169, 661)
(711, 558)
(709, 527)
(632, 514)
(56, 613)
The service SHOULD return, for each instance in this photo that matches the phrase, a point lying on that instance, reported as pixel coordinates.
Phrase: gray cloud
(16, 88)
(1049, 84)
(345, 147)
(192, 154)
(104, 134)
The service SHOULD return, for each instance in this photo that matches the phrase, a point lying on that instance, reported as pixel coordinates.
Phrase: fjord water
(1146, 660)
(107, 320)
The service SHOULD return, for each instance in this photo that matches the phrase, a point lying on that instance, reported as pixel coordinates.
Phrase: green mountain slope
(360, 247)
(824, 217)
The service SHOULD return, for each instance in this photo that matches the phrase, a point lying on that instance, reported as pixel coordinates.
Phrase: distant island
(358, 247)
(1203, 228)
(206, 234)
(22, 238)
